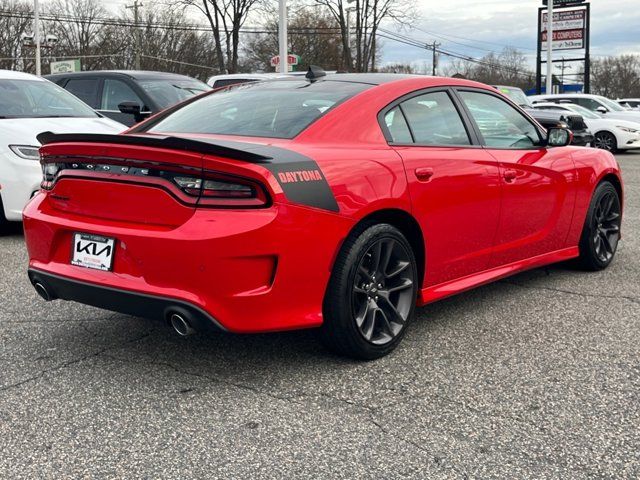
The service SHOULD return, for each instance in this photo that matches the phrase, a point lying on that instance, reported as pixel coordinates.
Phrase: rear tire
(371, 296)
(606, 141)
(601, 231)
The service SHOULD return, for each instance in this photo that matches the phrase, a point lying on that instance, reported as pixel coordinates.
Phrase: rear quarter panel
(592, 166)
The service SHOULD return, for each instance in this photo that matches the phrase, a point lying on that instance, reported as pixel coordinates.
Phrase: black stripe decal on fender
(304, 183)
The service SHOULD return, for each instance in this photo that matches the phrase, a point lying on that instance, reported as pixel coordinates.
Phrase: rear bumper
(250, 270)
(122, 301)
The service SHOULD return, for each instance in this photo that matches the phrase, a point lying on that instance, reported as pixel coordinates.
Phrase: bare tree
(368, 14)
(80, 31)
(226, 18)
(506, 68)
(616, 77)
(15, 22)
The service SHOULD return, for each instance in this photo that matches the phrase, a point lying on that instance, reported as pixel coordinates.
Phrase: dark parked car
(582, 137)
(129, 96)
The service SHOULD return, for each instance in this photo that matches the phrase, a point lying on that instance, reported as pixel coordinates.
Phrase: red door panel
(455, 196)
(537, 203)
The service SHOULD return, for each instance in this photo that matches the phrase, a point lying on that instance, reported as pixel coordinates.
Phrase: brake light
(220, 190)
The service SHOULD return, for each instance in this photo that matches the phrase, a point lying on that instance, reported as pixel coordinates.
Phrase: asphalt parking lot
(537, 376)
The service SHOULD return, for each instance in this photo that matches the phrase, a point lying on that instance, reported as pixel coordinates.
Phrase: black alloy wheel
(371, 296)
(601, 232)
(606, 226)
(383, 291)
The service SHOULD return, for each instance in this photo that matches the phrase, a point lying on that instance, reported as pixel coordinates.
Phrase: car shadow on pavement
(11, 229)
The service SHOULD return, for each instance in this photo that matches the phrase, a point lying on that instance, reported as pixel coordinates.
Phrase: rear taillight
(50, 173)
(212, 189)
(217, 189)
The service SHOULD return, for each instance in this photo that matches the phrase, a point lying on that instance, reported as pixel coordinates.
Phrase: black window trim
(541, 132)
(464, 117)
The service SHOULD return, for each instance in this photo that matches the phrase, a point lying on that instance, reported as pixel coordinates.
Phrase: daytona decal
(300, 176)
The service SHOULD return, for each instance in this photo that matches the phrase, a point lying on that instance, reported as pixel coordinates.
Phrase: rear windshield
(169, 92)
(277, 109)
(39, 99)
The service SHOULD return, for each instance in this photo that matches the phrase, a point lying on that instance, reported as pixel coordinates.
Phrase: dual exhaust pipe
(179, 321)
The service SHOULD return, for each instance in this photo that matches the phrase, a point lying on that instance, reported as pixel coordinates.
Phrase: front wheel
(371, 296)
(606, 141)
(601, 231)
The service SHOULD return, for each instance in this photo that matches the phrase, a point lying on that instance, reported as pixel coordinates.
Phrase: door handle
(510, 175)
(424, 174)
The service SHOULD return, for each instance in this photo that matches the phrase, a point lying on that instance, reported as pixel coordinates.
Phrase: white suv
(30, 105)
(595, 103)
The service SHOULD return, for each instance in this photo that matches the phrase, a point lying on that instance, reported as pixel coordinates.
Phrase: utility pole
(549, 90)
(36, 35)
(136, 6)
(282, 37)
(434, 61)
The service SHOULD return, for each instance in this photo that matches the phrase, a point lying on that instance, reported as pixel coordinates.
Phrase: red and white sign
(292, 59)
(568, 29)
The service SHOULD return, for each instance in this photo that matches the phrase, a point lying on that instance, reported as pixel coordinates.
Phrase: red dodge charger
(332, 201)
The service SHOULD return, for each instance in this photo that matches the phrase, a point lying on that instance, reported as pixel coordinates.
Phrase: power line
(415, 43)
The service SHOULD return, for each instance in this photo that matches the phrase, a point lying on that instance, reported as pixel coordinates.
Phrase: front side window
(501, 125)
(115, 92)
(39, 99)
(434, 120)
(275, 109)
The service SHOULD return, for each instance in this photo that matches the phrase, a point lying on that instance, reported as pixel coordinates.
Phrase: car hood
(23, 131)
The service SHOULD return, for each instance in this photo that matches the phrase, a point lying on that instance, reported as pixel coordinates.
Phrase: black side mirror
(559, 137)
(132, 108)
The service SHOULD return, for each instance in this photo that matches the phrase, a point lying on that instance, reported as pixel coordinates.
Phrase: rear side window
(397, 126)
(276, 109)
(434, 120)
(86, 89)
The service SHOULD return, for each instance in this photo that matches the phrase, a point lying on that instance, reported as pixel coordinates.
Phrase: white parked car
(595, 103)
(631, 103)
(609, 134)
(28, 106)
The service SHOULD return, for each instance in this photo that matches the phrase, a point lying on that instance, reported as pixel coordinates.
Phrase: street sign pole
(36, 35)
(282, 37)
(587, 53)
(549, 89)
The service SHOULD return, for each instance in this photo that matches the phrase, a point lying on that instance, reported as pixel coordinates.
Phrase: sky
(615, 28)
(475, 27)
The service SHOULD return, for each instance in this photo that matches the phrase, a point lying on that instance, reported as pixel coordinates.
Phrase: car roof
(13, 75)
(135, 74)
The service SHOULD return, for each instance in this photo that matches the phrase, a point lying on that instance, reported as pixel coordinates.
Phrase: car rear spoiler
(247, 152)
(300, 177)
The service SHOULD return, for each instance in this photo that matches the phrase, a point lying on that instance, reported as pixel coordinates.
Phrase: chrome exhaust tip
(42, 291)
(181, 325)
